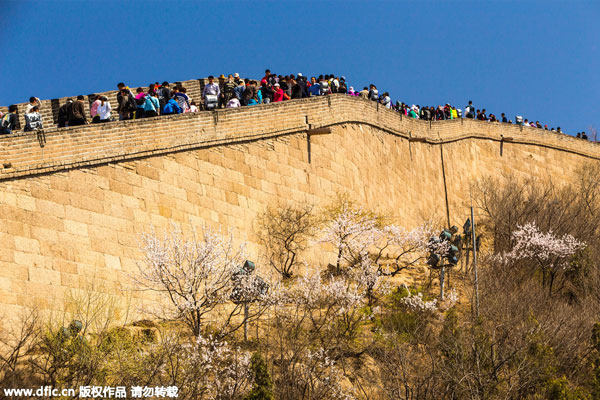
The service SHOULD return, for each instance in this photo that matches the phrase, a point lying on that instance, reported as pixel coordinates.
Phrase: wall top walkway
(49, 108)
(52, 150)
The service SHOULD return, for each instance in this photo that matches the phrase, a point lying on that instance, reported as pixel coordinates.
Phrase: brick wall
(74, 201)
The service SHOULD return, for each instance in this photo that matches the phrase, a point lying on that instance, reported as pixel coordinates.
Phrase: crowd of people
(233, 91)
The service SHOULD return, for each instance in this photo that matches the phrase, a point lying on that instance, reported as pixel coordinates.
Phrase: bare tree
(17, 343)
(285, 232)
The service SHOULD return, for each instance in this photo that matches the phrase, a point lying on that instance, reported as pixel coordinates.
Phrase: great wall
(74, 201)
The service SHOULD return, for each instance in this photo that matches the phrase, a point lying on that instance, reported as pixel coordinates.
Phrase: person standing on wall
(8, 123)
(94, 109)
(33, 120)
(151, 105)
(63, 113)
(182, 99)
(164, 94)
(228, 91)
(104, 110)
(140, 98)
(210, 94)
(125, 102)
(77, 112)
(33, 102)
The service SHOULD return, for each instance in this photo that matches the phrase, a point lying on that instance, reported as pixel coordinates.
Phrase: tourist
(233, 103)
(267, 76)
(182, 99)
(153, 88)
(584, 136)
(193, 107)
(364, 94)
(63, 113)
(171, 107)
(503, 117)
(77, 112)
(470, 110)
(324, 86)
(386, 101)
(211, 93)
(373, 93)
(249, 93)
(104, 110)
(343, 88)
(164, 94)
(239, 89)
(256, 95)
(266, 92)
(303, 86)
(334, 83)
(413, 112)
(228, 91)
(278, 94)
(94, 109)
(125, 102)
(140, 99)
(151, 105)
(284, 83)
(33, 102)
(9, 121)
(33, 119)
(297, 90)
(315, 88)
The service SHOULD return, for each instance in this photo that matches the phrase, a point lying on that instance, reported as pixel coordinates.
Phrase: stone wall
(74, 201)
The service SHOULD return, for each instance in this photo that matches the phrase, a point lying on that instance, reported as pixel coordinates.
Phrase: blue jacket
(239, 91)
(315, 90)
(172, 108)
(151, 103)
(253, 102)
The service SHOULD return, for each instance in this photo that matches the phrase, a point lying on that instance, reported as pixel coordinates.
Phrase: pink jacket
(94, 108)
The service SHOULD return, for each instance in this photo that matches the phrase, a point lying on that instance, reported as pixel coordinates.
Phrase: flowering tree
(198, 275)
(316, 323)
(352, 232)
(206, 368)
(357, 234)
(551, 253)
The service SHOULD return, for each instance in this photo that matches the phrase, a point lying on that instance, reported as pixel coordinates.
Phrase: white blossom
(195, 274)
(312, 291)
(352, 231)
(450, 299)
(416, 303)
(224, 371)
(548, 249)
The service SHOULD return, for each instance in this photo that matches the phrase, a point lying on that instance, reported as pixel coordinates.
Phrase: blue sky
(539, 59)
